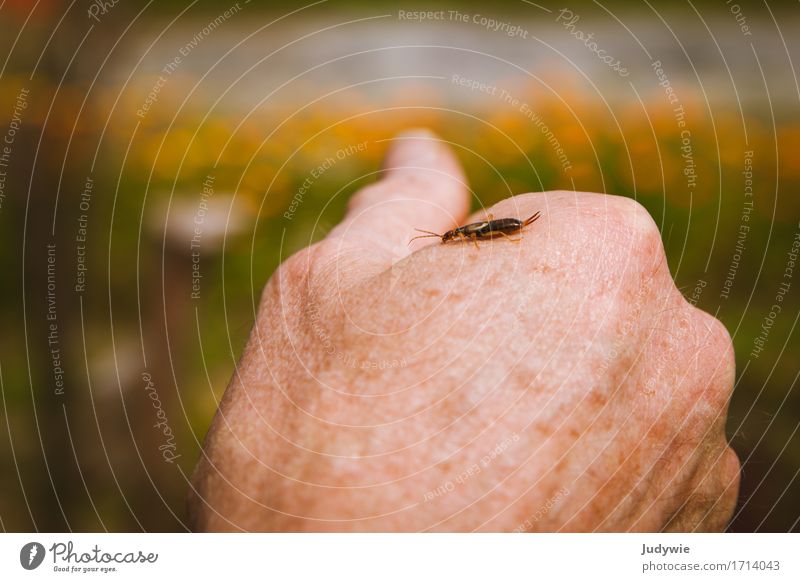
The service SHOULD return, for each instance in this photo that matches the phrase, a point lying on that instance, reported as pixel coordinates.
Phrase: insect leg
(475, 240)
(516, 240)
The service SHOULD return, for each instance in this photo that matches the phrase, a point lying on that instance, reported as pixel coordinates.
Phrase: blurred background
(160, 159)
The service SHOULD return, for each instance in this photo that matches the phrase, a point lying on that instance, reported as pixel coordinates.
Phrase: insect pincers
(485, 229)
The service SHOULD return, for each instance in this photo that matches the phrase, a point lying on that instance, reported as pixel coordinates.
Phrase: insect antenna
(531, 219)
(427, 235)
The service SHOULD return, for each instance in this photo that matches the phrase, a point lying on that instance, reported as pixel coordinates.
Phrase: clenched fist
(555, 383)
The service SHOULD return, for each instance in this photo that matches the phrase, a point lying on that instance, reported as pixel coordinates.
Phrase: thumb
(423, 186)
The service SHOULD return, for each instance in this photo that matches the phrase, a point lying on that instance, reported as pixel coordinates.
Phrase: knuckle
(731, 468)
(615, 230)
(643, 230)
(708, 357)
(727, 489)
(715, 350)
(715, 491)
(700, 364)
(636, 241)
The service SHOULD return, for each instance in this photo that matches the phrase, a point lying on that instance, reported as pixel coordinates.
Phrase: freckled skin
(561, 383)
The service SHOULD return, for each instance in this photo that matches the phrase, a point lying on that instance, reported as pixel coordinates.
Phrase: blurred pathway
(384, 51)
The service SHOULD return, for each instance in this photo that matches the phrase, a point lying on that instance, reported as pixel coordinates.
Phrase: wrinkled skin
(558, 383)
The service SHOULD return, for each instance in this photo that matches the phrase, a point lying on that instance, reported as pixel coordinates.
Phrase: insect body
(488, 228)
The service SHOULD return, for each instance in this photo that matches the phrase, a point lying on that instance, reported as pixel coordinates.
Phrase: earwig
(488, 228)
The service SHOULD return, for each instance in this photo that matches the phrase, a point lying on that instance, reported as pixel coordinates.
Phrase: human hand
(561, 383)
